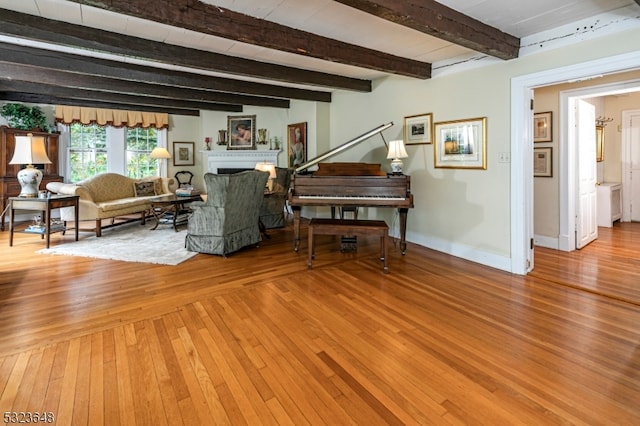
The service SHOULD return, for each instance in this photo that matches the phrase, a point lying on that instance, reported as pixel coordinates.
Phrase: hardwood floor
(257, 338)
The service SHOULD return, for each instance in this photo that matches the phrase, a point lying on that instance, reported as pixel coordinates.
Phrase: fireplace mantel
(238, 159)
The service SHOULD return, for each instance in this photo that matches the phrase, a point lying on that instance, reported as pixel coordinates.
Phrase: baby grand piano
(349, 184)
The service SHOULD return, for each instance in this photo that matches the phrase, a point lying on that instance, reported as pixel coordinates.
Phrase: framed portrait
(599, 143)
(542, 162)
(241, 131)
(297, 144)
(418, 129)
(183, 153)
(461, 144)
(542, 127)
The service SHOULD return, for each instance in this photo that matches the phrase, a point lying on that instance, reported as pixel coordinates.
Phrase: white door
(634, 167)
(586, 220)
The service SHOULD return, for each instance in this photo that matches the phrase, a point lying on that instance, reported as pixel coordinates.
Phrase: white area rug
(130, 243)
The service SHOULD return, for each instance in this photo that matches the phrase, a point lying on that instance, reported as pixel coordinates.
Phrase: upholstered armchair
(272, 209)
(228, 220)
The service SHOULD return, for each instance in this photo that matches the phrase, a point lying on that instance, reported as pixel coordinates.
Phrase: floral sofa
(109, 195)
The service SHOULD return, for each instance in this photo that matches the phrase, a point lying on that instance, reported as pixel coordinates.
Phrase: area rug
(130, 243)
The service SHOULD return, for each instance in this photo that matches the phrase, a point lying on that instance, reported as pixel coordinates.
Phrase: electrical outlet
(504, 157)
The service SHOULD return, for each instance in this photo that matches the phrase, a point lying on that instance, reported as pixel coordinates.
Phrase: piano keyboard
(352, 197)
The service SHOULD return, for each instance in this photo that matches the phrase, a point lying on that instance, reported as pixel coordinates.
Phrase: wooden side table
(43, 205)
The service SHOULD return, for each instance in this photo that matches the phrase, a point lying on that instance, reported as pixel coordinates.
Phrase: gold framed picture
(241, 131)
(461, 144)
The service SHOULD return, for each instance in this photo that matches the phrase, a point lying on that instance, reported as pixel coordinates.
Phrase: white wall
(461, 212)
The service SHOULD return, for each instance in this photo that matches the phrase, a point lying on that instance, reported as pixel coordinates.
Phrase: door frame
(626, 155)
(522, 144)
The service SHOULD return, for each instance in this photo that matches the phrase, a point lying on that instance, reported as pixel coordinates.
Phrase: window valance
(112, 117)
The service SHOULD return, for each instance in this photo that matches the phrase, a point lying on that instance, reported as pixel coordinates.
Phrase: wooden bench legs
(350, 227)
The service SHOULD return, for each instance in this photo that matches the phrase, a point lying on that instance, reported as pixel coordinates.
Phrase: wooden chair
(183, 177)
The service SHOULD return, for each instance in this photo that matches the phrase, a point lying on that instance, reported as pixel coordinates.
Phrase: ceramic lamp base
(396, 166)
(29, 179)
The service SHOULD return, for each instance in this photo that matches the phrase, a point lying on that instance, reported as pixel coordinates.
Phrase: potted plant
(22, 117)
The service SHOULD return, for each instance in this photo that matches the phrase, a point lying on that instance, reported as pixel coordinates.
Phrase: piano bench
(320, 226)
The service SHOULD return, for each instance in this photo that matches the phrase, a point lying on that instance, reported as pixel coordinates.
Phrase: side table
(43, 205)
(171, 207)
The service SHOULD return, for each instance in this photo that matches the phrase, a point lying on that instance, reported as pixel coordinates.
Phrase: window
(140, 143)
(87, 151)
(94, 149)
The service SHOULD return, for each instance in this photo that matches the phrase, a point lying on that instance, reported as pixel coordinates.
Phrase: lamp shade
(160, 152)
(396, 150)
(30, 150)
(267, 167)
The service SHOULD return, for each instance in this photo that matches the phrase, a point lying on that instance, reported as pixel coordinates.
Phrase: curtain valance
(112, 117)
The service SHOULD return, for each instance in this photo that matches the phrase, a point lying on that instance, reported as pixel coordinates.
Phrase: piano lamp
(30, 149)
(268, 167)
(160, 154)
(396, 152)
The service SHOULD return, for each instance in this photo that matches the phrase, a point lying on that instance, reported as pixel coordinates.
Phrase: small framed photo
(542, 127)
(297, 144)
(183, 153)
(241, 131)
(461, 144)
(542, 162)
(418, 129)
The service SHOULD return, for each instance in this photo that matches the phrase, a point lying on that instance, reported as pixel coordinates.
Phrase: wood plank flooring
(257, 338)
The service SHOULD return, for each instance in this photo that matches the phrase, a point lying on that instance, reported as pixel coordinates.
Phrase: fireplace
(230, 161)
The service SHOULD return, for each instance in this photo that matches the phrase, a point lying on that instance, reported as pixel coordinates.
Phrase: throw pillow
(144, 189)
(156, 181)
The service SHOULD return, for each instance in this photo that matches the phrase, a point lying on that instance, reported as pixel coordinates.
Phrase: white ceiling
(520, 18)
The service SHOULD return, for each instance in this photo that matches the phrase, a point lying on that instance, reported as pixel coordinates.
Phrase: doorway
(522, 251)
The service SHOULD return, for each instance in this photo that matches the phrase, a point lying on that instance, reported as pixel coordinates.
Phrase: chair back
(183, 177)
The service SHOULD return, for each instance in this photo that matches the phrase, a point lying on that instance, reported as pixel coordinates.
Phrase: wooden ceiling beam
(437, 20)
(217, 21)
(36, 98)
(77, 64)
(62, 33)
(9, 85)
(27, 73)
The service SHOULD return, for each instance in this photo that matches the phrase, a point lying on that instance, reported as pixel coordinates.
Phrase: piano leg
(296, 227)
(403, 229)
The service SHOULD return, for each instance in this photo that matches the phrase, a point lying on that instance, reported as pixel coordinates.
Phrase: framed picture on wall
(542, 127)
(599, 143)
(542, 162)
(183, 153)
(241, 131)
(418, 129)
(297, 144)
(461, 144)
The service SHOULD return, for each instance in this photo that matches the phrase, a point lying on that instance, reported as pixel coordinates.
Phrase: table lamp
(160, 154)
(396, 152)
(30, 149)
(268, 167)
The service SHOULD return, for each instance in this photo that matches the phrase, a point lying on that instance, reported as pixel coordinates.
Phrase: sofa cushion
(144, 189)
(125, 203)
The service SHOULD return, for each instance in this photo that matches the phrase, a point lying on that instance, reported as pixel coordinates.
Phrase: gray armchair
(272, 209)
(228, 220)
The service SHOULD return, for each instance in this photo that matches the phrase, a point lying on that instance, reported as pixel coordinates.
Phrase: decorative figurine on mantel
(222, 137)
(262, 136)
(207, 143)
(274, 143)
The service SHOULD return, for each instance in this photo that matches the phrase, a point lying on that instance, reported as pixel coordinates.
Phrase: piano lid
(342, 147)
